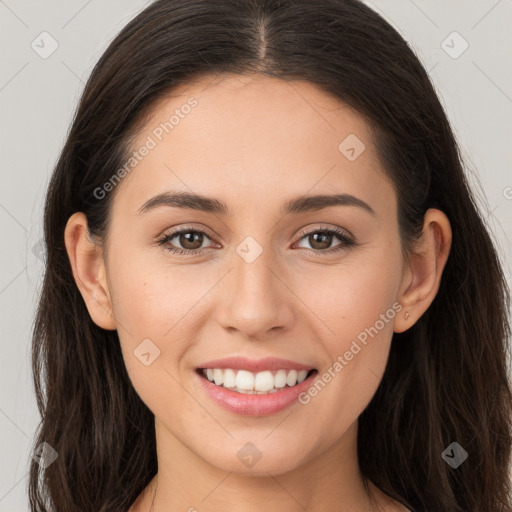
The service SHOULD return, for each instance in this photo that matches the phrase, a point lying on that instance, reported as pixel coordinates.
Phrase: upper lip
(255, 365)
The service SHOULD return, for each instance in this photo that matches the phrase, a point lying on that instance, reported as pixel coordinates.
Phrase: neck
(186, 482)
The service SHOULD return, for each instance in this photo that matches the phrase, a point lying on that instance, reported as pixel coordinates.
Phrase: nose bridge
(254, 277)
(257, 300)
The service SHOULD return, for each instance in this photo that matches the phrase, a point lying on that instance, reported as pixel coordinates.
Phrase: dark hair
(446, 378)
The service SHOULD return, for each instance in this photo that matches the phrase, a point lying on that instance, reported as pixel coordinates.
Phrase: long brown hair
(446, 379)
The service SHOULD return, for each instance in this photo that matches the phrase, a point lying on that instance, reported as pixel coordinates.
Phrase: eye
(191, 241)
(321, 240)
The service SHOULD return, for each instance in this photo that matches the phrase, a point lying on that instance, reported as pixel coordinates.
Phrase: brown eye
(321, 240)
(184, 241)
(190, 240)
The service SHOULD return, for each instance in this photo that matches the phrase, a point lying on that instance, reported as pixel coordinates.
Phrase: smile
(254, 394)
(264, 382)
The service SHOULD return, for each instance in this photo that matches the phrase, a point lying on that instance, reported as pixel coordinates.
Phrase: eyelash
(346, 241)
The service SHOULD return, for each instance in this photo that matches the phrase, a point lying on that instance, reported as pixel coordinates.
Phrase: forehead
(266, 108)
(253, 135)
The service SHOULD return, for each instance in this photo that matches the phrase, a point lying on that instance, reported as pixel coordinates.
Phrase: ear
(88, 266)
(422, 274)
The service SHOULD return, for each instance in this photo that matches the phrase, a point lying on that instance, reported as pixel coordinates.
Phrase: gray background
(38, 97)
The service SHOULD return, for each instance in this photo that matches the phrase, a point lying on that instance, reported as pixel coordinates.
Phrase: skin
(256, 142)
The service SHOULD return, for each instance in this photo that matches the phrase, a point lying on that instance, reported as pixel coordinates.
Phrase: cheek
(349, 297)
(152, 299)
(355, 304)
(156, 308)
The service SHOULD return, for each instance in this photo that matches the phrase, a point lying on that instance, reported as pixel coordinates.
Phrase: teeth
(218, 376)
(292, 378)
(229, 380)
(280, 379)
(264, 382)
(244, 380)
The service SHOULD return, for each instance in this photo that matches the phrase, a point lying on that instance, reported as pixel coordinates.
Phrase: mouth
(255, 383)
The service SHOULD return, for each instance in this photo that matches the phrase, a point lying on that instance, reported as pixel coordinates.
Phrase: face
(317, 284)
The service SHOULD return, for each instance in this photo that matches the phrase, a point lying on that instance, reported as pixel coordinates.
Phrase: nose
(257, 299)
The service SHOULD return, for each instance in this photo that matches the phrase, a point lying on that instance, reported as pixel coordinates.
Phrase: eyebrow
(303, 204)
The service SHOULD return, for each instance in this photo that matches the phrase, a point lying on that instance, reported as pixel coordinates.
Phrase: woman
(267, 282)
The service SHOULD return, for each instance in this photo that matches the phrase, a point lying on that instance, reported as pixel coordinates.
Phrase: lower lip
(254, 404)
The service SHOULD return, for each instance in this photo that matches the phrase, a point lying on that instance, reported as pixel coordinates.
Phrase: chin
(256, 459)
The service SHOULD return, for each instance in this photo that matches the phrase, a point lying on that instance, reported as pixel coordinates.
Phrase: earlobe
(422, 275)
(88, 266)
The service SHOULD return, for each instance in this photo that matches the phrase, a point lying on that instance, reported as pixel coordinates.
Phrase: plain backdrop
(465, 45)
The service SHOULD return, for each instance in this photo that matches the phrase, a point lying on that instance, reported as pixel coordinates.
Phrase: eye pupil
(325, 243)
(191, 237)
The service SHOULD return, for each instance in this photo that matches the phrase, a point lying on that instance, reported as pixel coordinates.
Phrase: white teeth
(264, 382)
(292, 378)
(218, 376)
(301, 376)
(280, 379)
(229, 379)
(244, 380)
